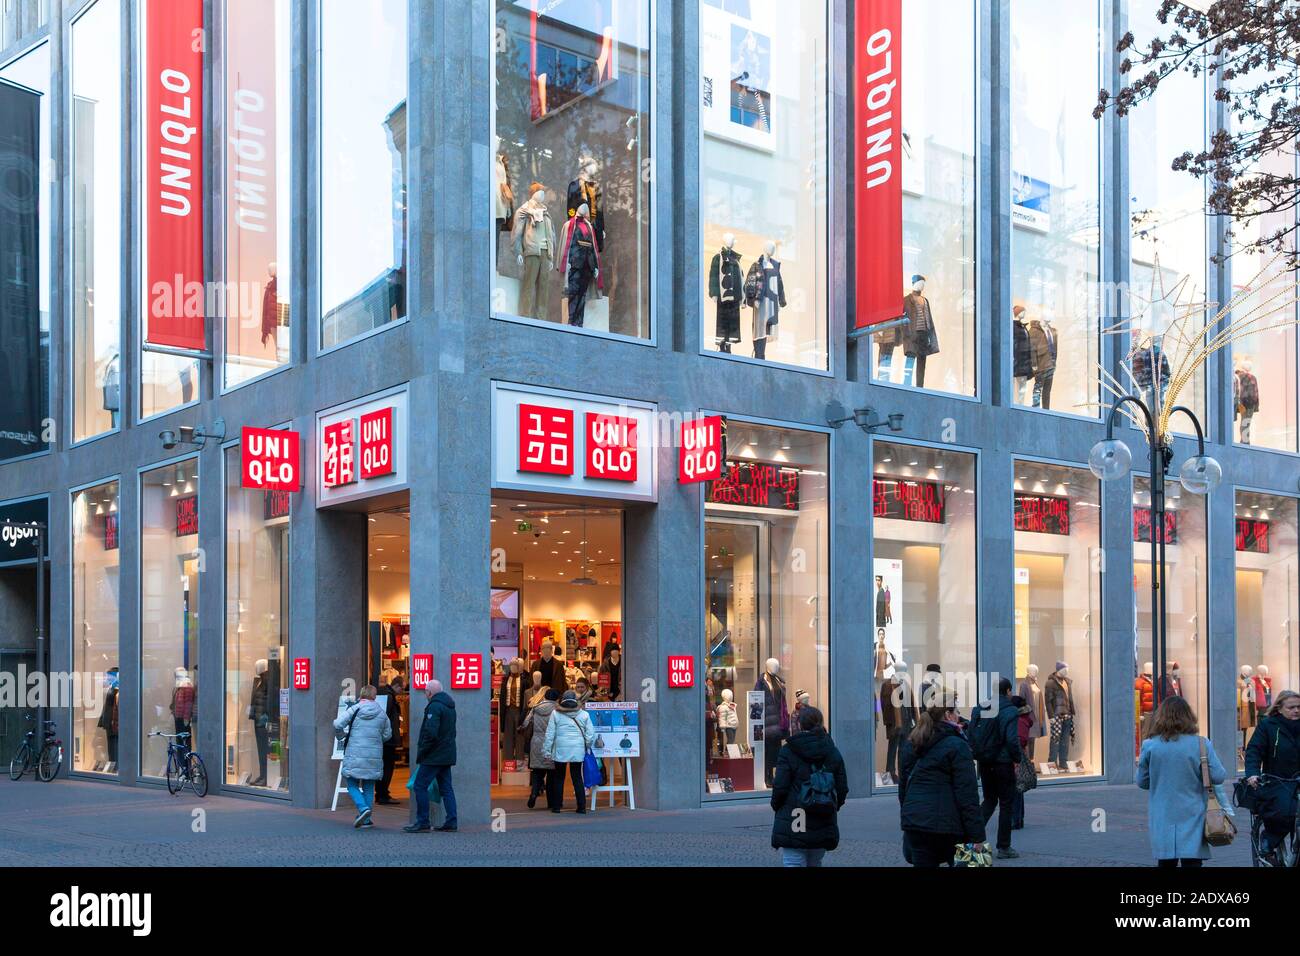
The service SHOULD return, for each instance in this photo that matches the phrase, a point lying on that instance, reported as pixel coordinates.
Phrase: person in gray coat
(363, 727)
(1170, 768)
(540, 766)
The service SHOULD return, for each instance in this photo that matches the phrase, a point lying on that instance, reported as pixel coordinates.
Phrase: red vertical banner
(878, 155)
(173, 173)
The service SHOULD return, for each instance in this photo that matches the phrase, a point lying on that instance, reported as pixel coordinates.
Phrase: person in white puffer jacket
(569, 733)
(728, 721)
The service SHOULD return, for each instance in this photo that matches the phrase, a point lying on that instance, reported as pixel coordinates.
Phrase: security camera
(168, 437)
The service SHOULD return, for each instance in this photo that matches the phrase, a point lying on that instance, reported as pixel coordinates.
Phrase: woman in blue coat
(1170, 767)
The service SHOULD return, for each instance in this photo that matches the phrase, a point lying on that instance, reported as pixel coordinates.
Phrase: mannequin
(260, 716)
(510, 707)
(270, 305)
(503, 198)
(920, 340)
(551, 668)
(1022, 355)
(728, 721)
(579, 263)
(884, 611)
(533, 241)
(886, 342)
(776, 718)
(1245, 398)
(536, 690)
(1058, 698)
(1042, 347)
(765, 294)
(586, 191)
(1033, 695)
(1247, 703)
(898, 714)
(725, 288)
(1144, 699)
(1263, 689)
(613, 670)
(108, 718)
(182, 705)
(1172, 685)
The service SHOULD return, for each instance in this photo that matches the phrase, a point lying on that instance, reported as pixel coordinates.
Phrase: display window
(1055, 208)
(258, 168)
(363, 167)
(766, 594)
(96, 596)
(169, 609)
(257, 633)
(1057, 620)
(1268, 587)
(25, 204)
(1168, 277)
(1185, 602)
(764, 119)
(96, 260)
(923, 588)
(571, 164)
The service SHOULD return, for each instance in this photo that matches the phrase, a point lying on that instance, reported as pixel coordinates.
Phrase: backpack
(817, 794)
(985, 741)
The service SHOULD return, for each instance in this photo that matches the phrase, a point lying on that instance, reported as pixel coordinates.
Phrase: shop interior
(18, 642)
(388, 630)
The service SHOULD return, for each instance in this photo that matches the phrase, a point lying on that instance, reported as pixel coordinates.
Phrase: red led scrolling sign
(908, 500)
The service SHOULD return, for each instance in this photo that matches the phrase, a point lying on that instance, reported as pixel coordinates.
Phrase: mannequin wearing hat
(920, 338)
(1058, 698)
(1172, 684)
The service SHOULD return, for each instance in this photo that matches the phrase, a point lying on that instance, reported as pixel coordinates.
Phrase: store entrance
(557, 611)
(388, 637)
(18, 644)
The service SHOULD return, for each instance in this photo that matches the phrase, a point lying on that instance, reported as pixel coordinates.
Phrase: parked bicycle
(1276, 798)
(184, 766)
(45, 759)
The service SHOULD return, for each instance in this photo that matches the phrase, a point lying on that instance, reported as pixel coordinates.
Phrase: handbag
(972, 855)
(1219, 829)
(1026, 777)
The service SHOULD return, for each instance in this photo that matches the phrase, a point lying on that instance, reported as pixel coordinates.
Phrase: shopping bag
(590, 771)
(434, 793)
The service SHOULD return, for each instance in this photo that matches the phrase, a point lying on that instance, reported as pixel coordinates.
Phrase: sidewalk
(83, 823)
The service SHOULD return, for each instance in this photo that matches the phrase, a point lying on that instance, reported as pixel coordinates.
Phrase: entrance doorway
(388, 636)
(557, 596)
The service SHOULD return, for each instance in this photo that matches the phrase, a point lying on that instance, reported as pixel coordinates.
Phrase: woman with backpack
(809, 778)
(938, 794)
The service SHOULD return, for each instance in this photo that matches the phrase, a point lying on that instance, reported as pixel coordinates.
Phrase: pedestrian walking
(1274, 748)
(569, 735)
(996, 744)
(540, 766)
(1169, 766)
(938, 793)
(436, 755)
(363, 728)
(1024, 729)
(808, 789)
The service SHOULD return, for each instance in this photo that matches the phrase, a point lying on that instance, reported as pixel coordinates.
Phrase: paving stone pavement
(86, 823)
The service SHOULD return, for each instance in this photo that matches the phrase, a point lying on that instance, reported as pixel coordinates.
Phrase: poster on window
(618, 728)
(887, 591)
(744, 60)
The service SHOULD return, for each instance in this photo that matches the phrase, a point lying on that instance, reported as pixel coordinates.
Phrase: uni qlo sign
(271, 459)
(466, 671)
(699, 457)
(377, 443)
(611, 447)
(545, 439)
(302, 673)
(421, 670)
(681, 670)
(338, 454)
(1252, 535)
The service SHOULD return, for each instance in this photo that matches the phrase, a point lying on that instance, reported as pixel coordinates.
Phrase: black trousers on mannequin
(582, 271)
(112, 748)
(260, 734)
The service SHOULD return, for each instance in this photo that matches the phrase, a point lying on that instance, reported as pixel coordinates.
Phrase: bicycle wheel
(1254, 842)
(175, 776)
(47, 765)
(18, 763)
(198, 775)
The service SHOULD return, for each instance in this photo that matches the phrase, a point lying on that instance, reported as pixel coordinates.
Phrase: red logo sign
(421, 670)
(377, 443)
(611, 447)
(545, 439)
(173, 169)
(700, 456)
(302, 673)
(187, 515)
(878, 107)
(466, 671)
(110, 532)
(270, 459)
(338, 454)
(1252, 535)
(681, 671)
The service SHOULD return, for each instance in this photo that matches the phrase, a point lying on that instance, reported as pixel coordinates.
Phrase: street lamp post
(1200, 474)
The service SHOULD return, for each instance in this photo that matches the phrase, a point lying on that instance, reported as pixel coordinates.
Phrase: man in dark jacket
(938, 795)
(804, 839)
(436, 755)
(997, 765)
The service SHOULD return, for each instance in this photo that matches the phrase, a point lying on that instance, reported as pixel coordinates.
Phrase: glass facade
(169, 609)
(766, 573)
(25, 202)
(257, 633)
(1058, 615)
(96, 600)
(571, 128)
(1268, 588)
(96, 259)
(923, 587)
(1055, 205)
(259, 160)
(363, 167)
(764, 120)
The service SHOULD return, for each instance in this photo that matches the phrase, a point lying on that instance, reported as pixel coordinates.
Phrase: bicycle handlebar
(159, 733)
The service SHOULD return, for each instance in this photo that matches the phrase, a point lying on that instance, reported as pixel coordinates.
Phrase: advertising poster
(618, 728)
(887, 593)
(742, 66)
(1022, 620)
